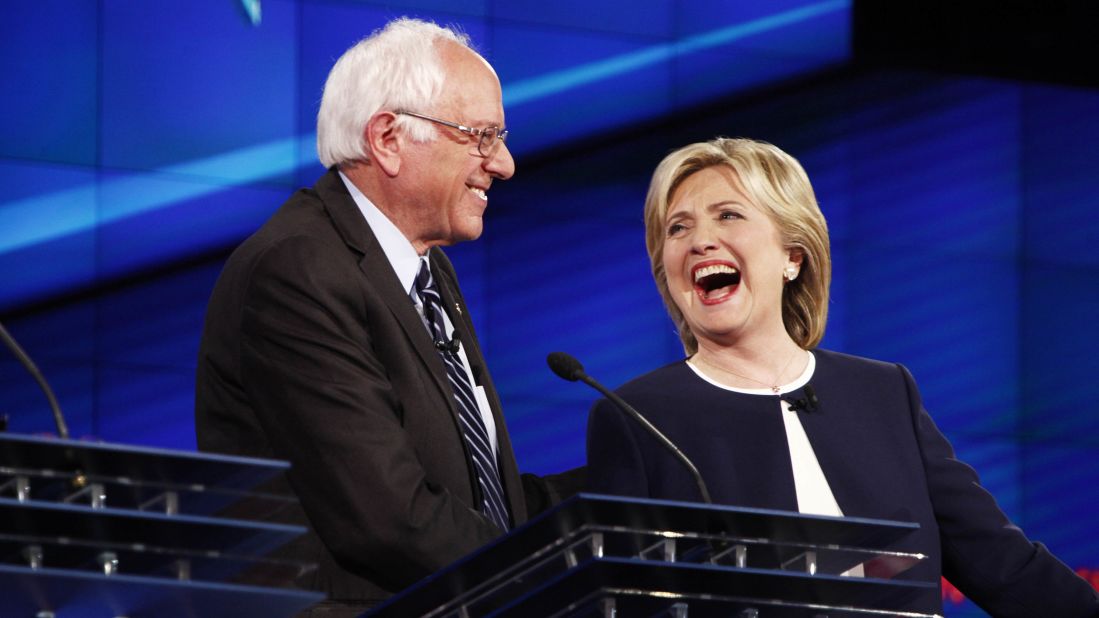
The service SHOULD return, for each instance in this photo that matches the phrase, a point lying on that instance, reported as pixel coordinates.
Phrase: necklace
(773, 384)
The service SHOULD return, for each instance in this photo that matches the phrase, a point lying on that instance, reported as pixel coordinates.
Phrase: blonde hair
(780, 186)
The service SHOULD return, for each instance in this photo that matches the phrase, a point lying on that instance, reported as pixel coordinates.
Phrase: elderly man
(337, 337)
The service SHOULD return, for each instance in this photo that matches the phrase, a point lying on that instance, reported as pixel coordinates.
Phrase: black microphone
(28, 364)
(808, 403)
(568, 368)
(451, 346)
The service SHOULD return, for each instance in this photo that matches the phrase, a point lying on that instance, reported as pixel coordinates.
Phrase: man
(337, 337)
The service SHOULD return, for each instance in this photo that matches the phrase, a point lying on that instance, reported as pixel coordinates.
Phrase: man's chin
(470, 231)
(462, 235)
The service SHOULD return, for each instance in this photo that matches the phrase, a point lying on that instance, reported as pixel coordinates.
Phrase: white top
(405, 261)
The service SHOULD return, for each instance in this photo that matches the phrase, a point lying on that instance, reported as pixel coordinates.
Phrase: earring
(790, 273)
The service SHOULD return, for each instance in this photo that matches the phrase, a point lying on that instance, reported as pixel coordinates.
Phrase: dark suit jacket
(883, 457)
(313, 353)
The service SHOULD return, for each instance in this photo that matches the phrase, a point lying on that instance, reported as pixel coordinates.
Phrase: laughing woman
(740, 254)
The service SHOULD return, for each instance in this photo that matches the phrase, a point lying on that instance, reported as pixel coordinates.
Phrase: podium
(94, 530)
(609, 556)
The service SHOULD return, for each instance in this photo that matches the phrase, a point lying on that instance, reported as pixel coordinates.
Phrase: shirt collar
(790, 387)
(398, 250)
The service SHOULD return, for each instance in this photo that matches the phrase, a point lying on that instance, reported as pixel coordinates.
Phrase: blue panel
(829, 169)
(1059, 342)
(73, 385)
(150, 218)
(47, 234)
(595, 301)
(940, 169)
(811, 28)
(595, 195)
(442, 11)
(150, 407)
(568, 272)
(654, 18)
(157, 324)
(48, 58)
(720, 73)
(588, 84)
(64, 335)
(1062, 203)
(548, 431)
(61, 344)
(932, 280)
(839, 303)
(733, 47)
(953, 326)
(1060, 482)
(186, 79)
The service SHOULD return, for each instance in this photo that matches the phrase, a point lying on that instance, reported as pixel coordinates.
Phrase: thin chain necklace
(773, 384)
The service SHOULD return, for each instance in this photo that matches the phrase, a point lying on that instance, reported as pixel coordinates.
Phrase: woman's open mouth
(714, 282)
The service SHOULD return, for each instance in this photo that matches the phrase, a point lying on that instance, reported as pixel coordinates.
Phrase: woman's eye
(675, 228)
(729, 214)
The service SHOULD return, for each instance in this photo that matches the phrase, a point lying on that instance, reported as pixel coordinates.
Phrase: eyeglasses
(490, 137)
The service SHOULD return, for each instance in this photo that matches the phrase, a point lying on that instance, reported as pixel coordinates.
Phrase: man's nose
(499, 162)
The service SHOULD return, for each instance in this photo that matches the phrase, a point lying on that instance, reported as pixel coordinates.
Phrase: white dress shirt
(406, 264)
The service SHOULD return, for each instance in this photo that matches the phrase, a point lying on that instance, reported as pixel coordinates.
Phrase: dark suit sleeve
(326, 403)
(615, 463)
(542, 492)
(985, 555)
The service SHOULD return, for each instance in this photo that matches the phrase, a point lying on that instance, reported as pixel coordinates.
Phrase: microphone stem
(28, 364)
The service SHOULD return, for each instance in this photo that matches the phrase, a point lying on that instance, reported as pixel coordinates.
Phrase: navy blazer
(883, 457)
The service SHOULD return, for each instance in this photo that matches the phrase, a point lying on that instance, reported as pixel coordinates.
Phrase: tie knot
(423, 277)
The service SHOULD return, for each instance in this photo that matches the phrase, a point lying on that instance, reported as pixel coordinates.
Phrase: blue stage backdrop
(140, 141)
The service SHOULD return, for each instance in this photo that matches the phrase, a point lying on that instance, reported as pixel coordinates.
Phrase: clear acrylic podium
(92, 530)
(610, 556)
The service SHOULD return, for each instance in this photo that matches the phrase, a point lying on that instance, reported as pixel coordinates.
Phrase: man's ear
(383, 143)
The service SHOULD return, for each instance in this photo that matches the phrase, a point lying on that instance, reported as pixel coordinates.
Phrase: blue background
(141, 141)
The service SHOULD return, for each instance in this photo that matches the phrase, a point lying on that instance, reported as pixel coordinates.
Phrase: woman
(740, 255)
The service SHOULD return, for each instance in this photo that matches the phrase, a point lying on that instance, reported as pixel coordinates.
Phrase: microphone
(568, 368)
(808, 403)
(451, 346)
(28, 364)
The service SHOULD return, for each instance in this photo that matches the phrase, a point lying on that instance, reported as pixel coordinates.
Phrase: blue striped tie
(473, 425)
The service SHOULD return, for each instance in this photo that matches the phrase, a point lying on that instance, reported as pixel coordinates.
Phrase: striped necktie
(473, 425)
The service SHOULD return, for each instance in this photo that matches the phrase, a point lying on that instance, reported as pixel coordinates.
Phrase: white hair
(396, 68)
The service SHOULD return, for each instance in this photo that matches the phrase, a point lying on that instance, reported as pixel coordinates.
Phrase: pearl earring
(790, 273)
